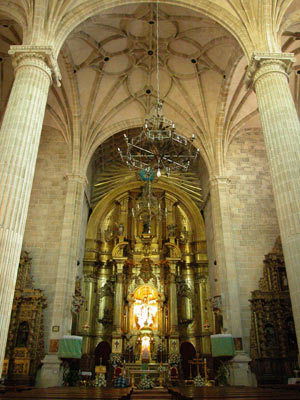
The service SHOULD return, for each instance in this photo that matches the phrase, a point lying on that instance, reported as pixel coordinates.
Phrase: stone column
(224, 250)
(227, 276)
(19, 143)
(268, 72)
(68, 256)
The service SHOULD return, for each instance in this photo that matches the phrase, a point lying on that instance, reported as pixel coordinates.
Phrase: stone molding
(82, 179)
(219, 180)
(38, 56)
(262, 64)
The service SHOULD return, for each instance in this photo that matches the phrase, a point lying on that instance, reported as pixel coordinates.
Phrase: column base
(240, 373)
(51, 372)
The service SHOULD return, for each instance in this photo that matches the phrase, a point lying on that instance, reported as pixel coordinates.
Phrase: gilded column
(268, 72)
(88, 315)
(118, 308)
(173, 310)
(205, 321)
(19, 142)
(224, 250)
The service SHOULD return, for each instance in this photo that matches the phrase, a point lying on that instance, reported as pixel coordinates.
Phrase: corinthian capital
(38, 56)
(262, 64)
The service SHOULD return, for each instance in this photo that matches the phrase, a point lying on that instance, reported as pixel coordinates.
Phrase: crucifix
(198, 361)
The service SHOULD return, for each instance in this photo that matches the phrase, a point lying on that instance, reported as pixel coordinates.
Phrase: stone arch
(205, 7)
(12, 12)
(131, 124)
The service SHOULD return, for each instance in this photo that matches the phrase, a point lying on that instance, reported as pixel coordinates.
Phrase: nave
(175, 393)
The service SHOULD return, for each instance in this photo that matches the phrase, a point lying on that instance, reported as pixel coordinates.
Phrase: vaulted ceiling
(109, 77)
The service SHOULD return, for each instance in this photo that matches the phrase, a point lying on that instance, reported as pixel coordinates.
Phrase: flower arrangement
(146, 383)
(174, 359)
(115, 359)
(222, 375)
(100, 380)
(199, 381)
(160, 347)
(161, 369)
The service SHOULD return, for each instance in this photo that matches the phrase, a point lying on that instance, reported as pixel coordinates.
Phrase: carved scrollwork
(107, 289)
(183, 290)
(272, 335)
(146, 271)
(107, 319)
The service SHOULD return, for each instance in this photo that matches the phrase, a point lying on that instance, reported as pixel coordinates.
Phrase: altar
(145, 283)
(157, 371)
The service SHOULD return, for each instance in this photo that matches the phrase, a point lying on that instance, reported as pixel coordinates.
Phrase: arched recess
(206, 7)
(104, 205)
(102, 353)
(188, 353)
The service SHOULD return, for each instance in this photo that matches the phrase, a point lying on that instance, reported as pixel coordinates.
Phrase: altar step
(150, 394)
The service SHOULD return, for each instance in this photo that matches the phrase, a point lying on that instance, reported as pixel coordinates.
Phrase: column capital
(39, 56)
(262, 64)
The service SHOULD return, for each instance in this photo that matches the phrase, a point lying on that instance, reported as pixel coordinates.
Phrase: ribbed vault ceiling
(108, 70)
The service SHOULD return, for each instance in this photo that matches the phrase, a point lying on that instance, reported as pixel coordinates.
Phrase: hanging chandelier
(148, 205)
(158, 147)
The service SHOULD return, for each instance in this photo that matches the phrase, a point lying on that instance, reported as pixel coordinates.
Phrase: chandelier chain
(157, 55)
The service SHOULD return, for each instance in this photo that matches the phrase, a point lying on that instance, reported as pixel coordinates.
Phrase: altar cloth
(222, 345)
(70, 347)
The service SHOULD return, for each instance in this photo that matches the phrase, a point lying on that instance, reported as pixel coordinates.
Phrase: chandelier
(148, 206)
(158, 147)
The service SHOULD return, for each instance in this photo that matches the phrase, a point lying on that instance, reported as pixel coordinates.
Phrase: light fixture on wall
(158, 147)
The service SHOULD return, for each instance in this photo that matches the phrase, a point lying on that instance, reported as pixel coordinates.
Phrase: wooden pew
(63, 393)
(236, 393)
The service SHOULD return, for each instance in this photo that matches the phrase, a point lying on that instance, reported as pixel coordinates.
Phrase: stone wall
(253, 215)
(45, 215)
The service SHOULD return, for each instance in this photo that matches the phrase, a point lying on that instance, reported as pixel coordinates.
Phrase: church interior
(149, 193)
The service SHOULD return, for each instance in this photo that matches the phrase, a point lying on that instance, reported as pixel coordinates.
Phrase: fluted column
(67, 261)
(224, 250)
(19, 142)
(268, 72)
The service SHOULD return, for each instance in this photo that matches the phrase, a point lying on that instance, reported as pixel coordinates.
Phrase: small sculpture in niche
(121, 229)
(146, 227)
(171, 230)
(22, 335)
(269, 333)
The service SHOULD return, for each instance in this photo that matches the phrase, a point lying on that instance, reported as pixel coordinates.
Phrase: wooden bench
(71, 393)
(236, 393)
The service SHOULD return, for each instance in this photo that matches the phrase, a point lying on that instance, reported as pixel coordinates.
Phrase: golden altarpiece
(145, 277)
(25, 342)
(273, 342)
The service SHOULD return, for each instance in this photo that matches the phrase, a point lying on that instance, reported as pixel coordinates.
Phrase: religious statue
(145, 311)
(146, 227)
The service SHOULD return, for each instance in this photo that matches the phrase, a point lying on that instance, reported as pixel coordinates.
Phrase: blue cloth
(120, 382)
